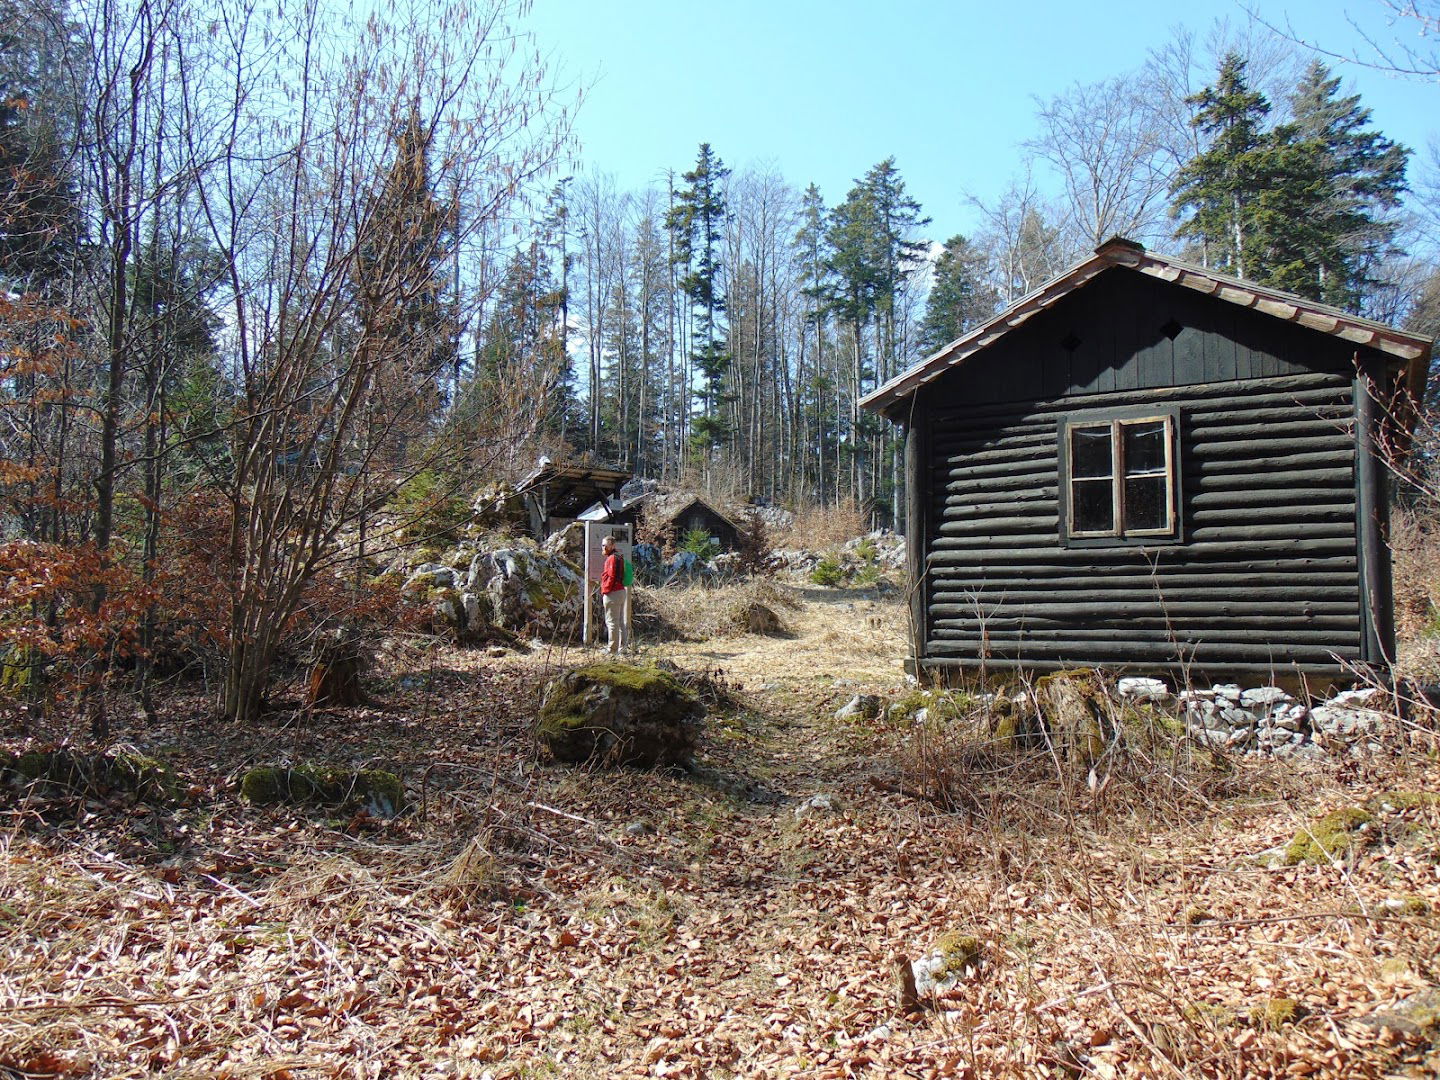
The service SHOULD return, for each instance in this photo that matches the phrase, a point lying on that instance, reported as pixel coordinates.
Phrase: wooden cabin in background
(673, 517)
(1150, 465)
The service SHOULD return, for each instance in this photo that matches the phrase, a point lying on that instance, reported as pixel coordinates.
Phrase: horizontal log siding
(1266, 574)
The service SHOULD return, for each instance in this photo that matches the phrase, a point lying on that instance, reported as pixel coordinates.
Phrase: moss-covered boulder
(379, 792)
(125, 772)
(619, 714)
(941, 969)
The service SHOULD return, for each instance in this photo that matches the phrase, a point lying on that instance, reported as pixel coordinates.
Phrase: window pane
(1090, 452)
(1091, 506)
(1146, 504)
(1144, 447)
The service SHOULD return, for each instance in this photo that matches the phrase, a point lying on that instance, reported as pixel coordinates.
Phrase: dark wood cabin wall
(1266, 573)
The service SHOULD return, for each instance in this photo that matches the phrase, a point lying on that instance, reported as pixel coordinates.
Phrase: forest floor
(531, 920)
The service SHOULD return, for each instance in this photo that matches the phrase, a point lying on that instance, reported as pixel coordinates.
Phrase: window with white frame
(1120, 478)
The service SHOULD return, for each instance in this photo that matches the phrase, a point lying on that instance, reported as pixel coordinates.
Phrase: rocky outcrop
(518, 589)
(856, 562)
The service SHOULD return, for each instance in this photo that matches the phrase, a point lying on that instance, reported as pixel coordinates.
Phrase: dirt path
(835, 643)
(848, 634)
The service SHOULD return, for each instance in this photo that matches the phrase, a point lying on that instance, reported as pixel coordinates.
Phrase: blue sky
(821, 91)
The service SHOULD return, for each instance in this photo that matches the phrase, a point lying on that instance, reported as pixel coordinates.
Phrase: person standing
(612, 597)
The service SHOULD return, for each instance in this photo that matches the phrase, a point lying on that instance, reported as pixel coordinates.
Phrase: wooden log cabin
(1149, 465)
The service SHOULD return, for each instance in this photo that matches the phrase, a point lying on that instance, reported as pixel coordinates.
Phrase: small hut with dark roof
(1152, 465)
(673, 517)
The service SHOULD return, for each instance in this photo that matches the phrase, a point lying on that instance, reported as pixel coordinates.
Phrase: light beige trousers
(615, 628)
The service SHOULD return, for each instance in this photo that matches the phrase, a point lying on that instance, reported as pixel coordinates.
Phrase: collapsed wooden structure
(555, 495)
(1149, 464)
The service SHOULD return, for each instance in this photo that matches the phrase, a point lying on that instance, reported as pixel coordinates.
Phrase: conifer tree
(873, 256)
(698, 223)
(521, 368)
(39, 210)
(817, 387)
(1352, 176)
(960, 296)
(1219, 185)
(406, 243)
(1299, 206)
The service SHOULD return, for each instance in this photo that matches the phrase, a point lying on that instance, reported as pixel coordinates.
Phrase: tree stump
(335, 676)
(1079, 712)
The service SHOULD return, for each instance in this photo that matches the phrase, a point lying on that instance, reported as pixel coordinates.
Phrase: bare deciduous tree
(335, 410)
(1103, 141)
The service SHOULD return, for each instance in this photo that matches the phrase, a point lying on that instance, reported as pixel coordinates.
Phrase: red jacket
(612, 574)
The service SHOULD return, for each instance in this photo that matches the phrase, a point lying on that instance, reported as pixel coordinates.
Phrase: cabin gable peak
(1410, 351)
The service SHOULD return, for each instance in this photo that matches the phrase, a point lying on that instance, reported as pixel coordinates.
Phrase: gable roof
(1412, 349)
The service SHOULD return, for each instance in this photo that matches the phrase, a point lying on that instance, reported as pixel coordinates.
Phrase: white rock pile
(1269, 721)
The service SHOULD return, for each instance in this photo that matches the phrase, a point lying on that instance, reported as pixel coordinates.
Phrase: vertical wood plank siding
(1265, 572)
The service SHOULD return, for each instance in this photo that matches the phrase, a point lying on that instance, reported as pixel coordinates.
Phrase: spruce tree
(698, 222)
(1299, 205)
(1218, 186)
(39, 210)
(1351, 177)
(899, 256)
(818, 411)
(405, 244)
(960, 296)
(873, 256)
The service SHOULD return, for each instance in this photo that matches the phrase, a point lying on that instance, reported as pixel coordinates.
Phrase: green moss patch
(1331, 837)
(1209, 1014)
(20, 670)
(1276, 1013)
(1393, 802)
(1401, 907)
(960, 951)
(375, 790)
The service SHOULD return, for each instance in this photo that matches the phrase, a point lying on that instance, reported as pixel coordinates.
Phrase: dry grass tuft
(700, 613)
(1415, 549)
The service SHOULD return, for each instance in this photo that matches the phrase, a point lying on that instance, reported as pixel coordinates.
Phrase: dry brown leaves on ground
(513, 926)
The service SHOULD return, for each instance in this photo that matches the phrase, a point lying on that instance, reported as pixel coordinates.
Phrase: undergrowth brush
(816, 528)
